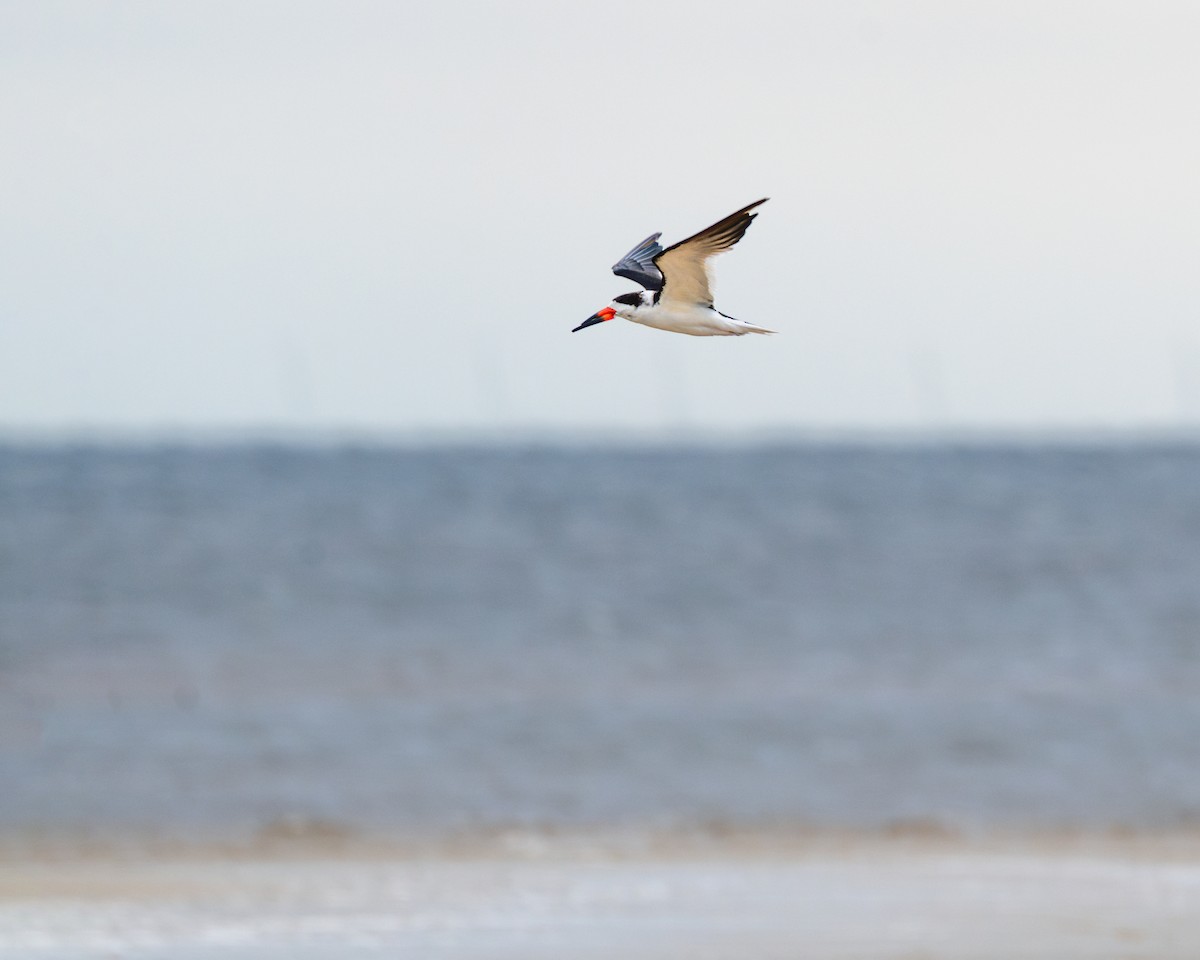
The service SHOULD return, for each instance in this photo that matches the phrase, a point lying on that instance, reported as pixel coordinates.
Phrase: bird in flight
(678, 295)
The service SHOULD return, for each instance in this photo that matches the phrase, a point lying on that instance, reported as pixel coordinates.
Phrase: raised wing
(638, 264)
(684, 266)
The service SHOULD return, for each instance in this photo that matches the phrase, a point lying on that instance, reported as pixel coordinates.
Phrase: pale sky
(389, 216)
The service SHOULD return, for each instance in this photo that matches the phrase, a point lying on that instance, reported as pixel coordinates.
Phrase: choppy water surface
(199, 639)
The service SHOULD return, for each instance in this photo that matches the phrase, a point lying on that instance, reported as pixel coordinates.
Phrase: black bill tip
(589, 322)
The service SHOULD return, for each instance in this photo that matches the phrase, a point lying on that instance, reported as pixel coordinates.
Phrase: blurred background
(313, 512)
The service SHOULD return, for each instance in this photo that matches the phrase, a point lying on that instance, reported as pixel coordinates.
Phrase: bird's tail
(746, 326)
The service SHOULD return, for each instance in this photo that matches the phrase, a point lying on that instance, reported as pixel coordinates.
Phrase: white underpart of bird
(678, 285)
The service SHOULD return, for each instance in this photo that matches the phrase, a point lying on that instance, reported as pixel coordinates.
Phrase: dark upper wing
(638, 264)
(684, 266)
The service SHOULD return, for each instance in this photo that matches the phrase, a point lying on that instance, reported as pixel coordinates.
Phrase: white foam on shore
(874, 901)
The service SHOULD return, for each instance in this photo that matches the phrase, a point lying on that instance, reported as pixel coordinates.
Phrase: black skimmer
(678, 296)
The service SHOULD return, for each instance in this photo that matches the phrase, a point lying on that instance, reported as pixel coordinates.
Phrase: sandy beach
(529, 896)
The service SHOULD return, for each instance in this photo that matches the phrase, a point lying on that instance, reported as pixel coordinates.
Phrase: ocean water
(200, 640)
